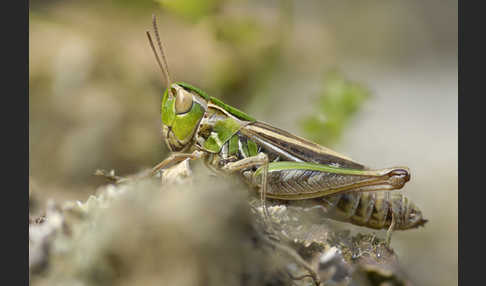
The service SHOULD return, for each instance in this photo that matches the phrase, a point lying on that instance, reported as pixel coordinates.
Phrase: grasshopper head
(183, 106)
(182, 109)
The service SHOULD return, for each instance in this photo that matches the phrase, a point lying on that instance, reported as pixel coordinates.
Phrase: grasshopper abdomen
(374, 209)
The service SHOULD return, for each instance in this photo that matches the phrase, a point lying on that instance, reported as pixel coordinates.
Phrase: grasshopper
(278, 164)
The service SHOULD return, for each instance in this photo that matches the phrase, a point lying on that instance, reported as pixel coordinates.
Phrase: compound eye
(183, 102)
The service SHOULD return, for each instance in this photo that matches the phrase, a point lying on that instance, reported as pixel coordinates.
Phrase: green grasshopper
(280, 165)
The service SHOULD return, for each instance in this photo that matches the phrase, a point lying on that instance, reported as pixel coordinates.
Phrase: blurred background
(376, 80)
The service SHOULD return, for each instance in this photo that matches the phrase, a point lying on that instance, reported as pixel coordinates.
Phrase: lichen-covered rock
(197, 230)
(339, 257)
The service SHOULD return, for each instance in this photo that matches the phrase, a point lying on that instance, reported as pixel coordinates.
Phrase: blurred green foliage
(234, 50)
(253, 43)
(90, 64)
(339, 100)
(192, 10)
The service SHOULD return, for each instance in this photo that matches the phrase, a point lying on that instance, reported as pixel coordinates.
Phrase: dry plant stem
(296, 257)
(111, 177)
(300, 277)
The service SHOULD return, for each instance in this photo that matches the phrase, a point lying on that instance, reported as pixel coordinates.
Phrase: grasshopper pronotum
(279, 164)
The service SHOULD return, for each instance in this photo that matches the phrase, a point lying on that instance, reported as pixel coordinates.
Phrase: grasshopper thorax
(182, 110)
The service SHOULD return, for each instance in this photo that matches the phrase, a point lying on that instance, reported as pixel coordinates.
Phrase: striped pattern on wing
(293, 148)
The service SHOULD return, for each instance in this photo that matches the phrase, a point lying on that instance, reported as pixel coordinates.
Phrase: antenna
(164, 67)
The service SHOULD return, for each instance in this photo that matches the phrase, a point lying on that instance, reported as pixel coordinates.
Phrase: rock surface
(197, 230)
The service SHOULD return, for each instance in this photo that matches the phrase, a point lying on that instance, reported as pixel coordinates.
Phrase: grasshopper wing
(294, 148)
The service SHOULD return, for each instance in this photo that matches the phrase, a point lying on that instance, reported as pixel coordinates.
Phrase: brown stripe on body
(292, 147)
